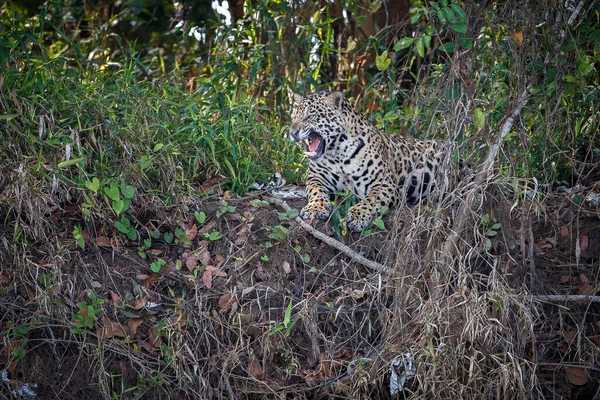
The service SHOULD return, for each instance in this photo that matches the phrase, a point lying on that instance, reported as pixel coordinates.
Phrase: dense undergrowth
(133, 254)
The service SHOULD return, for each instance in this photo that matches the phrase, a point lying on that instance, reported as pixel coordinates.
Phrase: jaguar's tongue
(313, 143)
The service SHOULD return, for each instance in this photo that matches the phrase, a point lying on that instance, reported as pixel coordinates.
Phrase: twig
(567, 298)
(451, 243)
(331, 241)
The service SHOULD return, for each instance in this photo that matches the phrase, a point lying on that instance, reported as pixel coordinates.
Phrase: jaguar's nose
(294, 134)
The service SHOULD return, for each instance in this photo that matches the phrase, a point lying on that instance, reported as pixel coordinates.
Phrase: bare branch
(331, 241)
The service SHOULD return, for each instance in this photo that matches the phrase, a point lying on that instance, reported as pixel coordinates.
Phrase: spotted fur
(347, 151)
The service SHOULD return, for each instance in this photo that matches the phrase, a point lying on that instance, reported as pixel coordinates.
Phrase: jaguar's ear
(336, 99)
(297, 99)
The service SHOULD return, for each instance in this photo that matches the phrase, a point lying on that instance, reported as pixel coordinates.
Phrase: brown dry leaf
(517, 37)
(586, 289)
(570, 336)
(576, 375)
(219, 260)
(207, 228)
(112, 329)
(564, 231)
(254, 368)
(544, 244)
(154, 338)
(584, 242)
(103, 241)
(85, 235)
(260, 272)
(565, 278)
(116, 298)
(227, 194)
(190, 263)
(155, 252)
(191, 232)
(140, 303)
(207, 279)
(133, 324)
(227, 301)
(141, 277)
(583, 278)
(286, 267)
(216, 271)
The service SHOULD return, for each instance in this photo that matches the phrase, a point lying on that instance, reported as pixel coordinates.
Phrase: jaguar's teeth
(310, 153)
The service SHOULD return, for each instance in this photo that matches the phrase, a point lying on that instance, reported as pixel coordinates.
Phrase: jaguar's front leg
(363, 212)
(318, 205)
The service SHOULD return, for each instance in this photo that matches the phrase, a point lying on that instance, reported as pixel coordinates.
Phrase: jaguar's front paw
(318, 209)
(358, 218)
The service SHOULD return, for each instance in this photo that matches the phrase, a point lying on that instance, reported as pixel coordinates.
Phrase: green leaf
(70, 162)
(132, 234)
(264, 258)
(420, 46)
(288, 314)
(121, 227)
(496, 226)
(460, 27)
(8, 117)
(118, 206)
(288, 329)
(93, 185)
(448, 47)
(403, 43)
(376, 5)
(128, 191)
(382, 61)
(200, 216)
(462, 15)
(158, 147)
(275, 330)
(449, 14)
(145, 162)
(168, 236)
(492, 233)
(112, 192)
(479, 119)
(378, 222)
(156, 265)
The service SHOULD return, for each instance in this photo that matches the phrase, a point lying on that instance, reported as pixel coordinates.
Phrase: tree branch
(331, 241)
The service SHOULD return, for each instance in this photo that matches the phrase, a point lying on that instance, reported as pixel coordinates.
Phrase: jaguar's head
(316, 120)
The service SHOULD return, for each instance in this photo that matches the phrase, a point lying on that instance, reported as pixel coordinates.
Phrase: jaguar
(345, 150)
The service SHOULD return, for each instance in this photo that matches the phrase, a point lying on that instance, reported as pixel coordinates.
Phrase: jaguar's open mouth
(315, 146)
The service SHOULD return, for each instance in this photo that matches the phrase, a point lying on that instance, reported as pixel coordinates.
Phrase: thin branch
(567, 298)
(485, 170)
(331, 241)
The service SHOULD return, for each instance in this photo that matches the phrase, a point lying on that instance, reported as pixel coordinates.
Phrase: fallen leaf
(133, 324)
(112, 329)
(85, 235)
(207, 279)
(565, 278)
(570, 336)
(103, 241)
(286, 267)
(260, 272)
(586, 289)
(219, 260)
(576, 375)
(227, 301)
(116, 298)
(544, 244)
(564, 231)
(216, 271)
(254, 368)
(191, 232)
(155, 338)
(190, 263)
(207, 228)
(583, 278)
(584, 242)
(140, 303)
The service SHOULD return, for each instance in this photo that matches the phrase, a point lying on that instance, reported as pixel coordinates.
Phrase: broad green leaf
(448, 47)
(382, 61)
(128, 191)
(200, 217)
(112, 192)
(479, 119)
(449, 14)
(496, 226)
(93, 185)
(420, 46)
(460, 27)
(403, 43)
(459, 11)
(118, 206)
